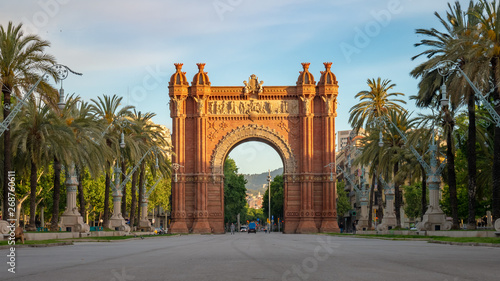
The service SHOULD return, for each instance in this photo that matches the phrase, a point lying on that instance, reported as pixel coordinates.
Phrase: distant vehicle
(252, 227)
(159, 230)
(243, 229)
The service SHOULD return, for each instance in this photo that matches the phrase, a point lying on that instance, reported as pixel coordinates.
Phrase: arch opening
(254, 159)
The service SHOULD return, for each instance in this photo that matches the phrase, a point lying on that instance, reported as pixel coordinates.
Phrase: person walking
(232, 228)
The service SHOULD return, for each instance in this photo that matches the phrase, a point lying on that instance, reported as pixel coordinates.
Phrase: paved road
(255, 257)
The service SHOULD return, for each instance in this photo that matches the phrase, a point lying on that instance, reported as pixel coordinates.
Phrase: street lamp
(434, 216)
(380, 141)
(176, 167)
(122, 142)
(269, 191)
(444, 99)
(71, 217)
(446, 67)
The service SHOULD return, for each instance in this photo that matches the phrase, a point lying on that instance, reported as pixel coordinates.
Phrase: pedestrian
(232, 228)
(341, 226)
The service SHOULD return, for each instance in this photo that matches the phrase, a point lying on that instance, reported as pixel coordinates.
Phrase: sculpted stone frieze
(245, 107)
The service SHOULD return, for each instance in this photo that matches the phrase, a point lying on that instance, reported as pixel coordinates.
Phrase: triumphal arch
(297, 121)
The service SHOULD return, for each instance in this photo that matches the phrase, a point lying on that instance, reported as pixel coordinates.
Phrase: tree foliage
(343, 202)
(277, 198)
(234, 192)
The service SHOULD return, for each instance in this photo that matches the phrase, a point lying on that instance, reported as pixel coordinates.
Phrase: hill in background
(258, 182)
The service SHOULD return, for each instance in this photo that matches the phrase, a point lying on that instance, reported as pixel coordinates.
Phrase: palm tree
(37, 134)
(454, 44)
(489, 48)
(88, 152)
(374, 103)
(22, 57)
(108, 110)
(146, 135)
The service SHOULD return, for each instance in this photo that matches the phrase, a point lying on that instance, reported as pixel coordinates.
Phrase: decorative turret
(306, 89)
(200, 89)
(327, 76)
(178, 91)
(305, 77)
(179, 77)
(328, 89)
(201, 78)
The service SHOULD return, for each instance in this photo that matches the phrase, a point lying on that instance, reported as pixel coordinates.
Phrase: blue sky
(128, 47)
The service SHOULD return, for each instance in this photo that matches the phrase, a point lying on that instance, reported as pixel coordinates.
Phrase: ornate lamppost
(434, 218)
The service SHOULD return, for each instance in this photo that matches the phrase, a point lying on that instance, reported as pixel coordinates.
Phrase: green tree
(489, 49)
(36, 134)
(343, 202)
(234, 191)
(277, 198)
(373, 104)
(22, 58)
(454, 44)
(108, 110)
(412, 197)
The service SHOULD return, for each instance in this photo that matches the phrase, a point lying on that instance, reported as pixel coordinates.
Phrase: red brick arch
(297, 121)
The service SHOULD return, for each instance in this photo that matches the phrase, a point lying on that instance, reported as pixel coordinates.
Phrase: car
(252, 227)
(243, 229)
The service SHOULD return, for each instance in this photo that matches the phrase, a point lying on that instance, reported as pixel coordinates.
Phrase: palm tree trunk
(471, 167)
(33, 183)
(424, 193)
(496, 150)
(54, 223)
(141, 183)
(105, 221)
(7, 150)
(380, 202)
(133, 204)
(370, 209)
(397, 195)
(452, 178)
(124, 192)
(81, 197)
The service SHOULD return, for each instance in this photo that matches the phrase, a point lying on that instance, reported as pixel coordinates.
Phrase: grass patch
(109, 238)
(493, 240)
(32, 242)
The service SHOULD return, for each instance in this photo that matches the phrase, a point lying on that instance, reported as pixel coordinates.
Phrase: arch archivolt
(253, 132)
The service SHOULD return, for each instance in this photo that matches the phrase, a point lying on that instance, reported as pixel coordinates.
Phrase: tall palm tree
(455, 44)
(146, 135)
(37, 134)
(22, 58)
(375, 103)
(88, 152)
(489, 48)
(109, 111)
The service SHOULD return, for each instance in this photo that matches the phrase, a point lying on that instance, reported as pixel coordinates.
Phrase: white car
(243, 229)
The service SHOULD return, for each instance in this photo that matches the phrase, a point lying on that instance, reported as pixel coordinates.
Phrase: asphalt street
(252, 256)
